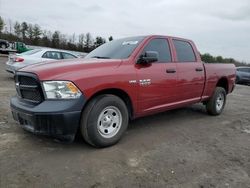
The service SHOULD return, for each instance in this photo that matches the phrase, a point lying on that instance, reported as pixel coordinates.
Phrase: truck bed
(215, 71)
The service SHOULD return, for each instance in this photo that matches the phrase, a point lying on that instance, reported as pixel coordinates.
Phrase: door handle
(170, 71)
(199, 69)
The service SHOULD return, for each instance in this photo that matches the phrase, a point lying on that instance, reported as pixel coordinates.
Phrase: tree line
(208, 58)
(33, 34)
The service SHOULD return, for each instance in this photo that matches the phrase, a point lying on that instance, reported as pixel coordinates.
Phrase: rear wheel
(3, 46)
(216, 103)
(104, 121)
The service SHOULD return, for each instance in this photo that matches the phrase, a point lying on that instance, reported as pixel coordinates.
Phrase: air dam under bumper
(56, 118)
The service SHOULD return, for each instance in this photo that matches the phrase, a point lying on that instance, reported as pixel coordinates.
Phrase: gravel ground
(179, 148)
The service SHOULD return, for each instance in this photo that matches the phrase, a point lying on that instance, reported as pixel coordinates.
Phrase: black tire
(3, 46)
(237, 80)
(212, 105)
(89, 127)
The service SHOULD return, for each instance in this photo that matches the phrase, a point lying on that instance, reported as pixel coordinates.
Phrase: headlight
(61, 90)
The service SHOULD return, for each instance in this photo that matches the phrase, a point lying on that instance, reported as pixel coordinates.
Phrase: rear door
(190, 71)
(157, 80)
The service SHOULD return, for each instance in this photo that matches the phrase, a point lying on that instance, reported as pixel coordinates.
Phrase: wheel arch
(223, 82)
(124, 96)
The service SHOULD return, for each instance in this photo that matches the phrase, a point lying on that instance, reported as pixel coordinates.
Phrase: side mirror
(148, 57)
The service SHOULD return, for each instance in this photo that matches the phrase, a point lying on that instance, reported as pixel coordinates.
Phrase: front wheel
(216, 103)
(237, 79)
(104, 121)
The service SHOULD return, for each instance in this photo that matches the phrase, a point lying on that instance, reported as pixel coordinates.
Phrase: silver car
(18, 61)
(243, 75)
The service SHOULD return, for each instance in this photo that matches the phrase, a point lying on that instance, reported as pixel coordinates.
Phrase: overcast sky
(220, 27)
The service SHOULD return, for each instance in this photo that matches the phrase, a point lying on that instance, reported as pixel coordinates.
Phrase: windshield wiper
(100, 57)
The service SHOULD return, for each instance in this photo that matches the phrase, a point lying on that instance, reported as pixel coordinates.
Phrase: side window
(162, 47)
(52, 55)
(241, 70)
(244, 70)
(184, 51)
(67, 56)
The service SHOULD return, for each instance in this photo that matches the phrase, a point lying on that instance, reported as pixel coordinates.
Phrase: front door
(157, 80)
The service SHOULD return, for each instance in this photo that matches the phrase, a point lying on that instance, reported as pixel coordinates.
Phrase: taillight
(18, 59)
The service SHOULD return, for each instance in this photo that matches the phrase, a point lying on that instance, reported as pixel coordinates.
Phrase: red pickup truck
(119, 81)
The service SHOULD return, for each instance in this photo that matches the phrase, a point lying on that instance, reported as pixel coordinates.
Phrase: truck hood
(71, 69)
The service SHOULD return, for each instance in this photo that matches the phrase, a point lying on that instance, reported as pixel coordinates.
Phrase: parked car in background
(7, 47)
(4, 44)
(18, 61)
(243, 75)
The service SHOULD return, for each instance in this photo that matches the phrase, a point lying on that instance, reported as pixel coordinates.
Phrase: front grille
(28, 87)
(25, 80)
(31, 95)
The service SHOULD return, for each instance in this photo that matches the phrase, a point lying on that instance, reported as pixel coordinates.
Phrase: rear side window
(243, 69)
(67, 56)
(52, 55)
(184, 50)
(162, 47)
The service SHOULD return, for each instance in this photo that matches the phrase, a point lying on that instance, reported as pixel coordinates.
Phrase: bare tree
(24, 28)
(17, 29)
(81, 39)
(10, 25)
(88, 43)
(1, 24)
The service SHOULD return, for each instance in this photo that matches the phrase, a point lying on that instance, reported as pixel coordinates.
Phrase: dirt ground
(180, 148)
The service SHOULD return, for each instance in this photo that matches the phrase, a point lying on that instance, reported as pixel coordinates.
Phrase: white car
(18, 61)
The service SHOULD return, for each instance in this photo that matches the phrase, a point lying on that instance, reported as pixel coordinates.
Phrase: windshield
(31, 52)
(117, 49)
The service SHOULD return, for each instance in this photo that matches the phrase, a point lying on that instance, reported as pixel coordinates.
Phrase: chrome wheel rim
(220, 102)
(109, 122)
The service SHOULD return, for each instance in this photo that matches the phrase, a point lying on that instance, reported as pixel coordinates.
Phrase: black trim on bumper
(56, 118)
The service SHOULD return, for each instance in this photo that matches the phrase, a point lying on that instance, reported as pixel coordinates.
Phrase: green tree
(36, 33)
(99, 41)
(219, 59)
(111, 38)
(207, 58)
(17, 29)
(63, 41)
(88, 43)
(46, 38)
(1, 24)
(55, 39)
(24, 28)
(30, 32)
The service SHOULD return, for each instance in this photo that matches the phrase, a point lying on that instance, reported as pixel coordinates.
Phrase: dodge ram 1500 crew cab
(120, 80)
